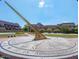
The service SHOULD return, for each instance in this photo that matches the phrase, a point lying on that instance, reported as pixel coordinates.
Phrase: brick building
(52, 28)
(9, 27)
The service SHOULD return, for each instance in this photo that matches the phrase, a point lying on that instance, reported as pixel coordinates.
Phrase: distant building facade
(69, 26)
(9, 27)
(52, 28)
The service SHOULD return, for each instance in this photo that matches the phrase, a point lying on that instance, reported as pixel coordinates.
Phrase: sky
(47, 12)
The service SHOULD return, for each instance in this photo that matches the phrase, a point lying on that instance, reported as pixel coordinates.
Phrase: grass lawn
(52, 35)
(8, 34)
(63, 35)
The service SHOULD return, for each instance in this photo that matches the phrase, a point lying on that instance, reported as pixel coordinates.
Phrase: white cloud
(41, 3)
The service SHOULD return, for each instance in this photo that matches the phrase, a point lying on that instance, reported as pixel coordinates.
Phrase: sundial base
(50, 48)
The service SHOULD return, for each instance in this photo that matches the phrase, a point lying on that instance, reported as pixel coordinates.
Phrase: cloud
(41, 3)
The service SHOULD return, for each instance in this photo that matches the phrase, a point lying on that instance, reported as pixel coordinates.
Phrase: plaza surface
(53, 47)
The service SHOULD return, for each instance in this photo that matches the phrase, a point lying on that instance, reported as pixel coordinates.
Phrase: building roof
(6, 22)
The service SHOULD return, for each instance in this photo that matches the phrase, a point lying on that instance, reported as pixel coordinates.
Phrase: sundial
(38, 45)
(38, 35)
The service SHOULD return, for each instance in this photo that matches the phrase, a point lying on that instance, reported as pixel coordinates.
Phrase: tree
(65, 29)
(76, 29)
(56, 30)
(25, 29)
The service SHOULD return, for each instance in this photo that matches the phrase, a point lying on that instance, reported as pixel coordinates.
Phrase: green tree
(65, 29)
(76, 29)
(25, 28)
